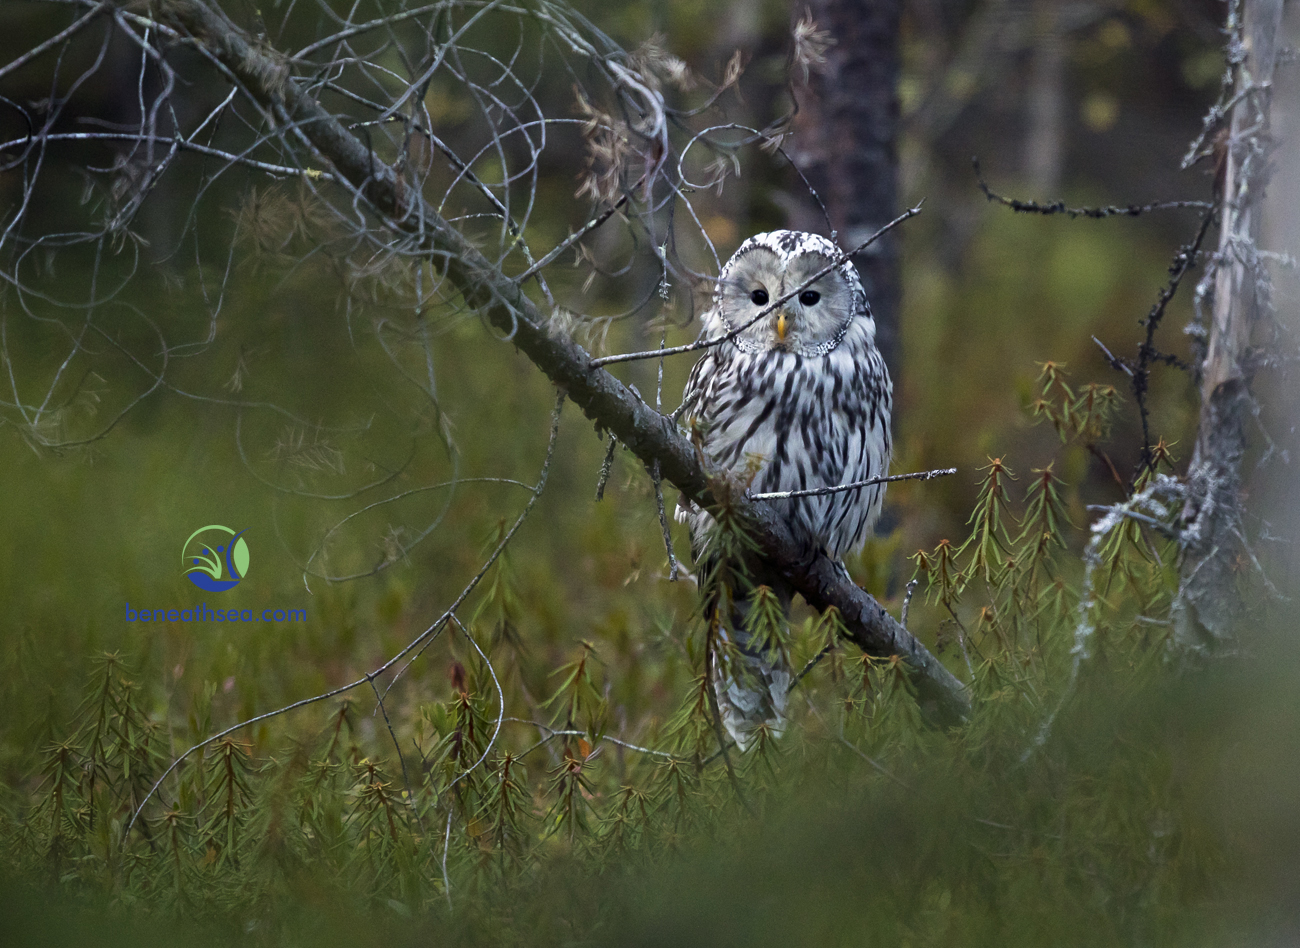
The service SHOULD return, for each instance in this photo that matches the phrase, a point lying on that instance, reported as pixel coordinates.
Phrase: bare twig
(1163, 529)
(577, 235)
(823, 491)
(446, 845)
(42, 48)
(1058, 207)
(812, 663)
(839, 736)
(1114, 361)
(561, 732)
(1147, 352)
(962, 636)
(663, 521)
(401, 758)
(765, 311)
(183, 144)
(605, 468)
(907, 601)
(501, 712)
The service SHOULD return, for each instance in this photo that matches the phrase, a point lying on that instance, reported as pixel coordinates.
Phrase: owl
(800, 399)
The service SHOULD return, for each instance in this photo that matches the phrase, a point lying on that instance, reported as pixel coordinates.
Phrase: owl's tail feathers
(751, 672)
(752, 698)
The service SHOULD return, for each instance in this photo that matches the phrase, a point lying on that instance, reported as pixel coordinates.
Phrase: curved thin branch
(767, 310)
(823, 491)
(1096, 213)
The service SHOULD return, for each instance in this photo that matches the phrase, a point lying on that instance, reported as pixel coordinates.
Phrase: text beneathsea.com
(201, 613)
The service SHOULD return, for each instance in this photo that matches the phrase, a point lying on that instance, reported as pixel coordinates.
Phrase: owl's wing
(696, 383)
(702, 373)
(694, 408)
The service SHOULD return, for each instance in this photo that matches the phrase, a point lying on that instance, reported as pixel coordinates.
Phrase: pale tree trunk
(1278, 506)
(1235, 294)
(1045, 141)
(846, 136)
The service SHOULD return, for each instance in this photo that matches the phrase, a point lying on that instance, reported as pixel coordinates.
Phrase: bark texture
(1209, 604)
(653, 437)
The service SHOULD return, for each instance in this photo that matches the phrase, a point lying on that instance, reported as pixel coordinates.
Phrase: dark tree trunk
(845, 142)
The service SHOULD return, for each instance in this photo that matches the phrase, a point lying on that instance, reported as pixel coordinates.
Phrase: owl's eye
(809, 297)
(759, 297)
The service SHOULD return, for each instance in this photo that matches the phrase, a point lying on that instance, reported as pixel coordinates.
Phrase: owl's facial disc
(758, 277)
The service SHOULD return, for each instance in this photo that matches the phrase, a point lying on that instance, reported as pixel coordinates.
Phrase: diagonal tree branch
(653, 437)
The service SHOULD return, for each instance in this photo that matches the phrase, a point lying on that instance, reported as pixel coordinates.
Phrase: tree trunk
(1236, 292)
(1045, 141)
(846, 135)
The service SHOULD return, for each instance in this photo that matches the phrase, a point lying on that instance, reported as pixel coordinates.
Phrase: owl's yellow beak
(782, 325)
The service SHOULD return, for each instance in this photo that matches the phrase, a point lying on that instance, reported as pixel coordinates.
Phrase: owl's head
(766, 268)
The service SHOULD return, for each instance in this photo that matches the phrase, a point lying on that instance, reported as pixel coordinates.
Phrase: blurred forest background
(258, 364)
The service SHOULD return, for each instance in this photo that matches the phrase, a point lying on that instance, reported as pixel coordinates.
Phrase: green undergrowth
(861, 821)
(515, 813)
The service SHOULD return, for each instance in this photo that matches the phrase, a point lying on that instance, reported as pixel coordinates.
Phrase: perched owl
(801, 399)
